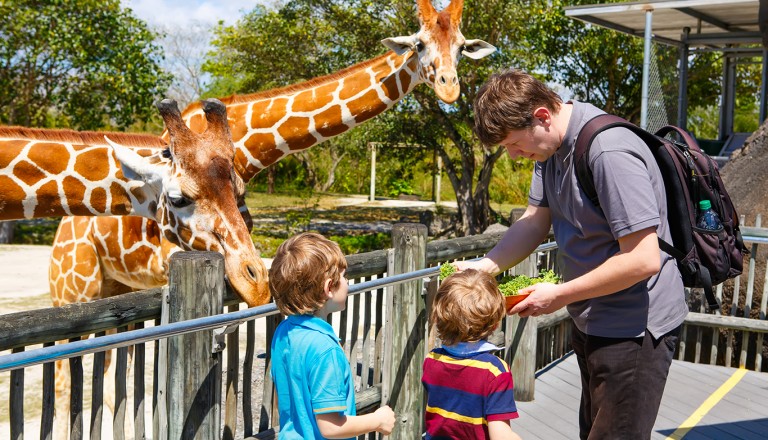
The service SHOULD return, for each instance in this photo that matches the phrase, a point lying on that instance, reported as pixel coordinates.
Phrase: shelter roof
(712, 23)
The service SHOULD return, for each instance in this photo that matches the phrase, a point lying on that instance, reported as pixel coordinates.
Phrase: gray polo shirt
(631, 193)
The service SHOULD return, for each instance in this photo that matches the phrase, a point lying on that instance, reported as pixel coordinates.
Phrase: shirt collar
(313, 323)
(574, 126)
(470, 348)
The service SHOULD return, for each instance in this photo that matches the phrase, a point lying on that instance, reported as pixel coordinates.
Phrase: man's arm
(338, 425)
(522, 238)
(638, 259)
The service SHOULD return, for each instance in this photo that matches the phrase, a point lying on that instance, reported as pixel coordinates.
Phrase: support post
(682, 96)
(646, 68)
(521, 338)
(763, 88)
(372, 147)
(436, 184)
(405, 333)
(196, 289)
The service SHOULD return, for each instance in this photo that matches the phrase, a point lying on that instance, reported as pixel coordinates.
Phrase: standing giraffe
(267, 127)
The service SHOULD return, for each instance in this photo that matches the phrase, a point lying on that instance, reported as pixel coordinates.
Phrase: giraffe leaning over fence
(187, 186)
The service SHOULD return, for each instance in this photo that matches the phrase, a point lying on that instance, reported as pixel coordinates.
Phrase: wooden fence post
(405, 331)
(521, 338)
(196, 289)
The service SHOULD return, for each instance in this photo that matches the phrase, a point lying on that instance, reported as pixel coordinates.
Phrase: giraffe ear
(136, 167)
(477, 49)
(400, 45)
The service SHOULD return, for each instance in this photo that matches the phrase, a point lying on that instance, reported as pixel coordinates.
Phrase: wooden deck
(692, 390)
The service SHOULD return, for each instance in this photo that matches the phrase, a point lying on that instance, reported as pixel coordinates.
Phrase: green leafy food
(510, 285)
(447, 270)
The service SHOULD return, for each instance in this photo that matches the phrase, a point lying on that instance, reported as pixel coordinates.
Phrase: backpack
(704, 257)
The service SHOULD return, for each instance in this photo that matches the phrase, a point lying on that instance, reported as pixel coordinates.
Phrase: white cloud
(181, 12)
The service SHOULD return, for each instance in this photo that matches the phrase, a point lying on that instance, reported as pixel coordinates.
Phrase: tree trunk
(271, 180)
(6, 231)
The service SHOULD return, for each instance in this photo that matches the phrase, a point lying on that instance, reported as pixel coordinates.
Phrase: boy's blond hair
(467, 307)
(299, 270)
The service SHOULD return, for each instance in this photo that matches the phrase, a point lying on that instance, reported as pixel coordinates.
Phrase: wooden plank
(250, 343)
(49, 394)
(97, 392)
(76, 396)
(762, 315)
(269, 416)
(367, 350)
(16, 396)
(139, 358)
(745, 336)
(121, 393)
(233, 376)
(406, 329)
(196, 284)
(730, 322)
(77, 319)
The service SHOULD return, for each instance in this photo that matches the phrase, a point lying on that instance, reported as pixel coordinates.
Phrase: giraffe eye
(179, 201)
(419, 46)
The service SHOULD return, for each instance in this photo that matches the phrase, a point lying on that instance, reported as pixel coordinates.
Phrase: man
(625, 295)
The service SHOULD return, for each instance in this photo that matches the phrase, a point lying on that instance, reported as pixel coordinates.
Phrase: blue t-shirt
(312, 375)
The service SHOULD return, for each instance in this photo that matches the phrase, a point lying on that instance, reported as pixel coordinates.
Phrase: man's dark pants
(622, 381)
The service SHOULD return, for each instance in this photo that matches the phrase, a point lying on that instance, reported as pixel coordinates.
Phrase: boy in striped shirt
(469, 389)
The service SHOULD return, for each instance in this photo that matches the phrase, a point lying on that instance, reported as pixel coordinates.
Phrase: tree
(85, 64)
(185, 49)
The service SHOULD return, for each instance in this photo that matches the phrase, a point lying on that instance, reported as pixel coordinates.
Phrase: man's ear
(543, 115)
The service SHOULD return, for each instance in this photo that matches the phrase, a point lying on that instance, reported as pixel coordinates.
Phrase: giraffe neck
(52, 175)
(270, 125)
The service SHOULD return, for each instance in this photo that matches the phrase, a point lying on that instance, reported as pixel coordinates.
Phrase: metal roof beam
(726, 38)
(591, 19)
(708, 19)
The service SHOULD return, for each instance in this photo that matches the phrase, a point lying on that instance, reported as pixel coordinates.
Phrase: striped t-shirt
(465, 392)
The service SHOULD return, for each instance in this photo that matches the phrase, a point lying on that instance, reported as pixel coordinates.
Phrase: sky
(180, 12)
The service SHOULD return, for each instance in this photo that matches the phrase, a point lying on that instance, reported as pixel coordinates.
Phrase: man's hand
(543, 299)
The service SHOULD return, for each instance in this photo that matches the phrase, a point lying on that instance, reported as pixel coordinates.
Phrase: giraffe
(186, 186)
(267, 127)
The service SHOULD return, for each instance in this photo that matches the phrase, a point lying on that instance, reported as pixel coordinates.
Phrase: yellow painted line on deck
(708, 404)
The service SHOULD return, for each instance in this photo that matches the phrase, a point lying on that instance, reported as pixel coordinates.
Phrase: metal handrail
(82, 347)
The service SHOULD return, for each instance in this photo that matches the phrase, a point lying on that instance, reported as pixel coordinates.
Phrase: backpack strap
(591, 129)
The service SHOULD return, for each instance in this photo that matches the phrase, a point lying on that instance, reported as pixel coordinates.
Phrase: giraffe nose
(446, 79)
(251, 272)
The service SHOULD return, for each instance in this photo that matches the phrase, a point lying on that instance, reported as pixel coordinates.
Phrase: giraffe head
(196, 192)
(439, 44)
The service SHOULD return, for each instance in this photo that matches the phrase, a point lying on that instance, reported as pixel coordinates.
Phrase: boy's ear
(327, 287)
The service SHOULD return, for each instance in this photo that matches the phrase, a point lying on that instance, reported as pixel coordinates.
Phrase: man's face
(536, 142)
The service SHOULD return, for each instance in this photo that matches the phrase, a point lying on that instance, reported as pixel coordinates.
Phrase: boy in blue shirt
(315, 388)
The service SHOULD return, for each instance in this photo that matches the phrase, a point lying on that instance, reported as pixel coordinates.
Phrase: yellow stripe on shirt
(466, 362)
(331, 409)
(456, 416)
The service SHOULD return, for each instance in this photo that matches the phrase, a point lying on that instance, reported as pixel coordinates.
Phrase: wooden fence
(385, 358)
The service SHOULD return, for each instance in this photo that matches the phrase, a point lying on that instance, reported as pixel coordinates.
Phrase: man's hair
(467, 307)
(506, 102)
(299, 270)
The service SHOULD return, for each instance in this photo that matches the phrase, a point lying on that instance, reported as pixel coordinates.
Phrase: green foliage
(84, 64)
(299, 219)
(355, 244)
(447, 270)
(511, 285)
(37, 231)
